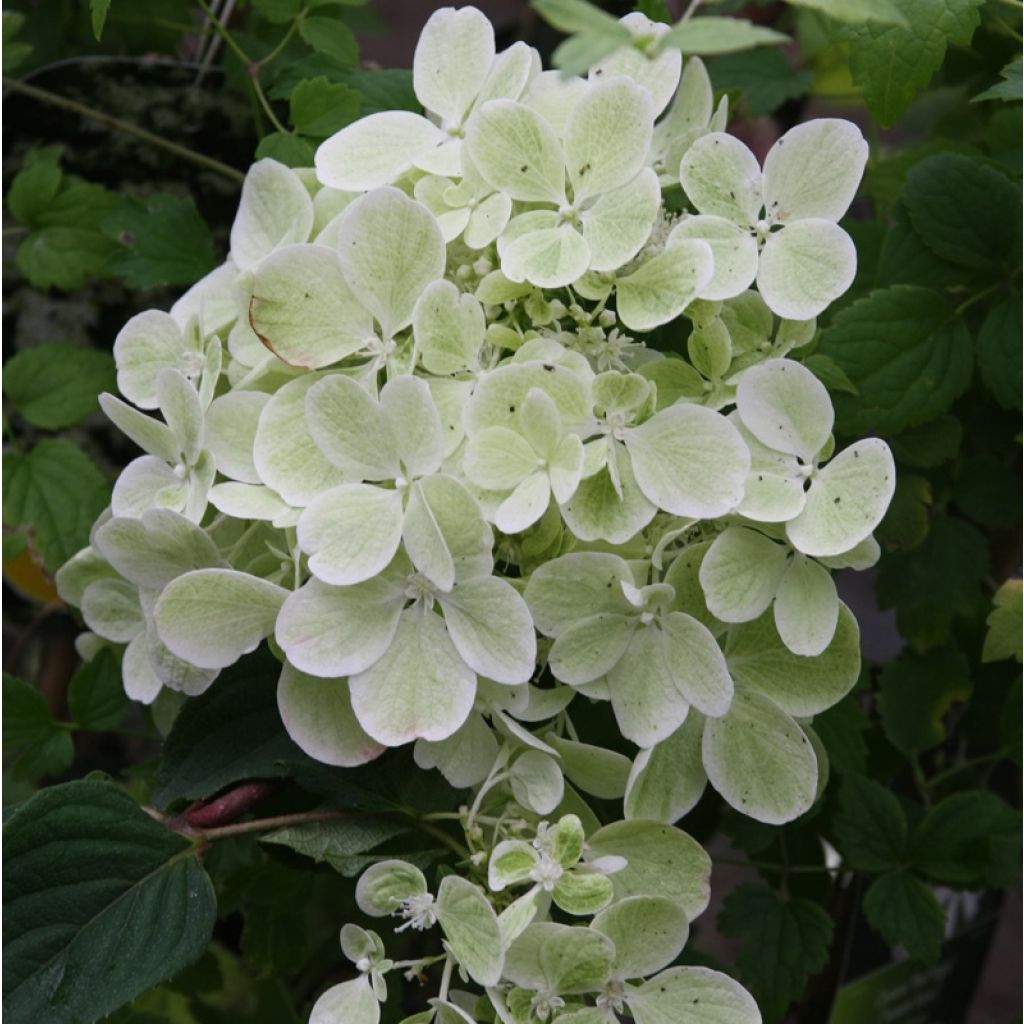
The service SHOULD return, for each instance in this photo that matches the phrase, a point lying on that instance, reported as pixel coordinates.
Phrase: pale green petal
(153, 550)
(210, 299)
(500, 393)
(285, 455)
(660, 861)
(692, 995)
(180, 405)
(487, 220)
(510, 73)
(648, 704)
(302, 309)
(525, 505)
(648, 932)
(148, 343)
(683, 576)
(847, 500)
(174, 672)
(391, 248)
(860, 557)
(536, 781)
(83, 568)
(249, 501)
(721, 177)
(450, 397)
(351, 1002)
(351, 532)
(140, 681)
(554, 96)
(444, 157)
(663, 286)
(814, 170)
(231, 423)
(658, 75)
(574, 587)
(471, 928)
(517, 151)
(349, 428)
(491, 627)
(772, 497)
(566, 468)
(317, 715)
(444, 531)
(375, 150)
(740, 574)
(559, 958)
(734, 250)
(549, 258)
(412, 420)
(211, 617)
(697, 664)
(668, 779)
(465, 757)
(595, 770)
(497, 458)
(785, 407)
(689, 461)
(511, 862)
(336, 631)
(539, 421)
(147, 482)
(275, 209)
(582, 893)
(419, 688)
(591, 647)
(599, 511)
(449, 329)
(759, 760)
(806, 607)
(147, 432)
(452, 59)
(110, 608)
(805, 267)
(608, 136)
(801, 686)
(619, 223)
(382, 887)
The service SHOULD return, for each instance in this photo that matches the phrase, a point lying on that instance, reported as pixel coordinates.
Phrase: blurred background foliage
(129, 125)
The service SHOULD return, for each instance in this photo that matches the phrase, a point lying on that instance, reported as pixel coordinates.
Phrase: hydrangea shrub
(417, 435)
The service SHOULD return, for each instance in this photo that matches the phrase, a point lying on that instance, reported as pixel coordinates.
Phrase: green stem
(974, 299)
(52, 98)
(276, 51)
(439, 833)
(973, 762)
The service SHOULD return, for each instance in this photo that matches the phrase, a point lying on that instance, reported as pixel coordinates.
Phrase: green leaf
(101, 903)
(1003, 639)
(336, 843)
(964, 210)
(959, 838)
(278, 11)
(998, 352)
(55, 384)
(96, 696)
(906, 913)
(231, 732)
(830, 373)
(163, 240)
(916, 691)
(1009, 89)
(841, 729)
(98, 11)
(320, 108)
(36, 185)
(711, 35)
(285, 148)
(857, 12)
(906, 351)
(988, 491)
(906, 523)
(332, 38)
(578, 16)
(29, 731)
(936, 581)
(929, 445)
(784, 941)
(764, 77)
(892, 64)
(57, 491)
(14, 53)
(870, 826)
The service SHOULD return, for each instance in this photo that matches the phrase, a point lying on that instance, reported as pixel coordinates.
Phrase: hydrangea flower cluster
(411, 433)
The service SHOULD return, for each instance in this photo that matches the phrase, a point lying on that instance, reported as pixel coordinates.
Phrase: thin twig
(52, 98)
